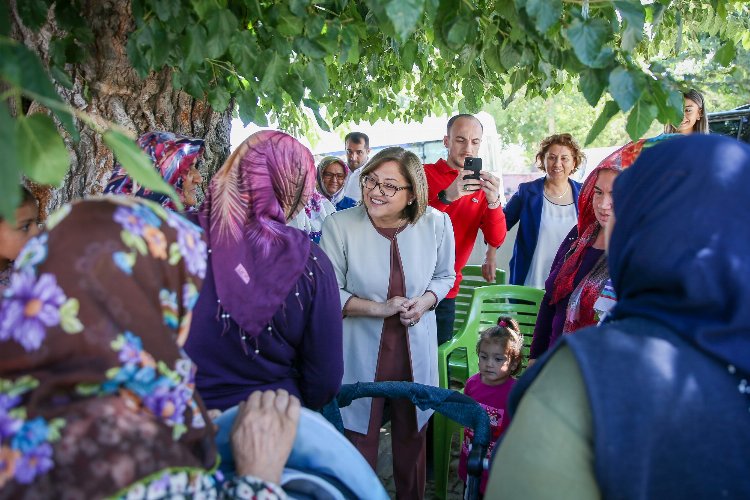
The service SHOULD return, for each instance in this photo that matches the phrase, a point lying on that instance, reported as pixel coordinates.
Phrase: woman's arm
(513, 209)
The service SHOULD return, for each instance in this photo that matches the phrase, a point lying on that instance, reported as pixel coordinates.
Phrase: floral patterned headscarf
(172, 156)
(255, 257)
(95, 391)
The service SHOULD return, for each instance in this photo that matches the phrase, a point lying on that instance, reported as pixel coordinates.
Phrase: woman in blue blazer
(546, 208)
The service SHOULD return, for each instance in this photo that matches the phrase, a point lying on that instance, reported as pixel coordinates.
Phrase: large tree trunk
(106, 86)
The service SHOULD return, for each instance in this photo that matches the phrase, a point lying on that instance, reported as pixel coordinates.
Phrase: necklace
(547, 193)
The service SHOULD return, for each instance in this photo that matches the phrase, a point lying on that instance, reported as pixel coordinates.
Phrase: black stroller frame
(451, 404)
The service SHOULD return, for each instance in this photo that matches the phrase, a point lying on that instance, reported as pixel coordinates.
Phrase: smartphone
(474, 164)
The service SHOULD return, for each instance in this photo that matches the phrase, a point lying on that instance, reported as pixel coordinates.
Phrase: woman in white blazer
(393, 257)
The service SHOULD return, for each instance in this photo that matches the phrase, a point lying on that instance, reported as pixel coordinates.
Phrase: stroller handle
(449, 403)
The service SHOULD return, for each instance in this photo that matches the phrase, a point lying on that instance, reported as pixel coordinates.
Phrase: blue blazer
(526, 206)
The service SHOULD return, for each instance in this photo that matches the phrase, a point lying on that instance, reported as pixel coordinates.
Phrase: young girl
(14, 236)
(500, 356)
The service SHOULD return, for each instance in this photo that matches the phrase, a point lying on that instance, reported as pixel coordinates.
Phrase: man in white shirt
(357, 146)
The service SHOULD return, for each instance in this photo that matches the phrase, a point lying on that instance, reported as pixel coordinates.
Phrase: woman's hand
(416, 307)
(394, 305)
(263, 434)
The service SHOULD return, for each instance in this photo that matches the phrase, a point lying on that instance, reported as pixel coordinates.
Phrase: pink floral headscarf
(255, 257)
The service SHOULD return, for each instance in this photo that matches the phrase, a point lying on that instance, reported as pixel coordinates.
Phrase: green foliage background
(339, 61)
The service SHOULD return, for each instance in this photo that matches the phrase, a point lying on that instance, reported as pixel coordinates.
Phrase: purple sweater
(551, 319)
(302, 353)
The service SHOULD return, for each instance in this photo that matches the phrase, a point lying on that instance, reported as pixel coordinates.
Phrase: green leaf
(634, 15)
(545, 12)
(316, 79)
(592, 83)
(61, 77)
(69, 321)
(311, 48)
(668, 101)
(509, 55)
(174, 253)
(294, 86)
(408, 55)
(491, 57)
(299, 7)
(726, 54)
(640, 119)
(315, 108)
(22, 68)
(203, 7)
(404, 14)
(290, 25)
(33, 12)
(221, 24)
(473, 92)
(609, 111)
(275, 69)
(587, 38)
(243, 49)
(219, 98)
(457, 34)
(138, 165)
(4, 19)
(10, 173)
(626, 87)
(193, 46)
(42, 153)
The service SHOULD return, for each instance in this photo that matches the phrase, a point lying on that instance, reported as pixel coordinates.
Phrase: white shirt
(352, 188)
(555, 224)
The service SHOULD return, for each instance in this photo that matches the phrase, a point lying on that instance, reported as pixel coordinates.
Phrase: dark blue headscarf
(680, 249)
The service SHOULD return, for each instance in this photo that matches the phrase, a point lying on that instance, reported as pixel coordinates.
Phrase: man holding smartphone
(471, 198)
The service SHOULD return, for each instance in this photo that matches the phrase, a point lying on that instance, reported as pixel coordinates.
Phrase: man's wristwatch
(443, 198)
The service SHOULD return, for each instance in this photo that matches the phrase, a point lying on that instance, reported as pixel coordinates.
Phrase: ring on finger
(411, 323)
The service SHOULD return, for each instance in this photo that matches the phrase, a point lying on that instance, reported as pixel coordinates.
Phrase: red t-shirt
(468, 214)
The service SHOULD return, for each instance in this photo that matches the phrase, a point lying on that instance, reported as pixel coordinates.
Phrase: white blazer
(361, 258)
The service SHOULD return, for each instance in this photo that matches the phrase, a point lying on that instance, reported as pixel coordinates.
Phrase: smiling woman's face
(690, 117)
(334, 176)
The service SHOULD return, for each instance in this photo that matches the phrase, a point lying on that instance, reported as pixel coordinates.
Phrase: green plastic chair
(487, 304)
(472, 278)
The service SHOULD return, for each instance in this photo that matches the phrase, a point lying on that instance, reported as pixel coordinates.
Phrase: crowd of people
(128, 331)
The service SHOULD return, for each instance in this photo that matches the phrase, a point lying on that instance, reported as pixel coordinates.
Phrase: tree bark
(105, 85)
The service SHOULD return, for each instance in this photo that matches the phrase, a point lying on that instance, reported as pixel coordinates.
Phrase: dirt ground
(385, 470)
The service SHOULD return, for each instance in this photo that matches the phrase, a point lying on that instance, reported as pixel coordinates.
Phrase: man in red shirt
(470, 203)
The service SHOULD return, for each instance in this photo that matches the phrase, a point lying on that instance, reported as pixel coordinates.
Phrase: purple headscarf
(255, 257)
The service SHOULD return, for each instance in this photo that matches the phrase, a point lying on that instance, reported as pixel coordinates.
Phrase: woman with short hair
(545, 209)
(394, 259)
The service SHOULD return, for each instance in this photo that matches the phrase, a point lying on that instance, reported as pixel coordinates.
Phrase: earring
(410, 202)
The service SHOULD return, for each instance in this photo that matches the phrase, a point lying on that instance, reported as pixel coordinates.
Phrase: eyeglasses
(388, 190)
(329, 175)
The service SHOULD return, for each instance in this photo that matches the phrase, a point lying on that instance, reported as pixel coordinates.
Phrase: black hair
(26, 198)
(357, 137)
